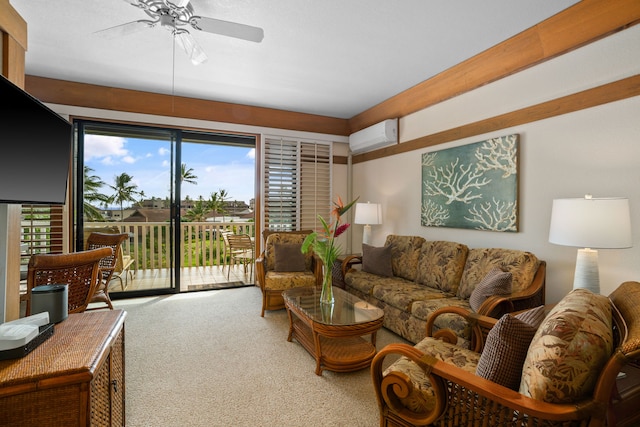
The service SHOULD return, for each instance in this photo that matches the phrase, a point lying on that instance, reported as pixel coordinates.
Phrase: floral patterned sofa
(427, 275)
(528, 369)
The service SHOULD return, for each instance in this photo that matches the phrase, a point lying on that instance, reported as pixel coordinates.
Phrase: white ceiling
(330, 57)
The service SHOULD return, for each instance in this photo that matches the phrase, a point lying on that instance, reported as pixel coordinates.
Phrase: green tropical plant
(199, 211)
(186, 175)
(91, 184)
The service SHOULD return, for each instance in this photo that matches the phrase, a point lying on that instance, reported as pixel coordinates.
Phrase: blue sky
(148, 161)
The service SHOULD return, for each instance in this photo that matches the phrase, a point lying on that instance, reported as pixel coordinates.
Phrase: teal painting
(474, 186)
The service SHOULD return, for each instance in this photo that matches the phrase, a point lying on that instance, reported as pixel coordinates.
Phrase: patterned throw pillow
(569, 349)
(496, 282)
(377, 260)
(506, 347)
(289, 257)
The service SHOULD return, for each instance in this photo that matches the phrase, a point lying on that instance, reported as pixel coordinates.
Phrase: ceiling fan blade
(190, 46)
(125, 29)
(226, 28)
(176, 3)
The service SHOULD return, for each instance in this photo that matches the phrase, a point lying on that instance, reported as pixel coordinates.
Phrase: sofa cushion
(496, 282)
(404, 255)
(402, 293)
(364, 282)
(422, 394)
(423, 310)
(506, 347)
(440, 265)
(288, 257)
(522, 266)
(377, 260)
(569, 349)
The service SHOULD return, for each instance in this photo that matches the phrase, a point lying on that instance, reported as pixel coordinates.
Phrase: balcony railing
(201, 243)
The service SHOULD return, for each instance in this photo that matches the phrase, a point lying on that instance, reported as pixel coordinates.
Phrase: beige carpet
(209, 359)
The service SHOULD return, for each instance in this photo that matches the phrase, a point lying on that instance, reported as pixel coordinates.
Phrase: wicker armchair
(273, 280)
(79, 270)
(453, 395)
(107, 264)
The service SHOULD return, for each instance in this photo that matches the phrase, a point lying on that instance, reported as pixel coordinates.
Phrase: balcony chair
(79, 270)
(107, 264)
(241, 250)
(124, 263)
(283, 266)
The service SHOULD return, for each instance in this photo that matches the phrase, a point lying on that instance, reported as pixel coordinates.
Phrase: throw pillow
(377, 260)
(570, 348)
(506, 347)
(496, 282)
(288, 257)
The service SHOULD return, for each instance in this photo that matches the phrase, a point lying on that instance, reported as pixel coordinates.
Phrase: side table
(623, 410)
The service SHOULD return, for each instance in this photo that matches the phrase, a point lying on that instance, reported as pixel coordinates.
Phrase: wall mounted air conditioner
(376, 136)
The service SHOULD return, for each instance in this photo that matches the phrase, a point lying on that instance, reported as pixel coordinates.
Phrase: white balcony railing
(201, 243)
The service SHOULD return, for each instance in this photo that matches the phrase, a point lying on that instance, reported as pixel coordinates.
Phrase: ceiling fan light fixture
(186, 41)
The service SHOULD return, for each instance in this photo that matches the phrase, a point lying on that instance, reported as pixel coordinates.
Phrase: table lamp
(590, 223)
(368, 214)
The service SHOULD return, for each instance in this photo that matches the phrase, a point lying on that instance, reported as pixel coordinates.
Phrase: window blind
(41, 230)
(296, 183)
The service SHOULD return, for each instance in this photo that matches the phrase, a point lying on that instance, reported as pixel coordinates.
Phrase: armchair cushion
(377, 260)
(288, 257)
(569, 349)
(496, 282)
(506, 347)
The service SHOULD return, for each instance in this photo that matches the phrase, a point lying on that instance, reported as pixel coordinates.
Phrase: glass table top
(346, 310)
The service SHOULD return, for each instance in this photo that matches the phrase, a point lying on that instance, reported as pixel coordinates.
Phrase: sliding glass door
(128, 182)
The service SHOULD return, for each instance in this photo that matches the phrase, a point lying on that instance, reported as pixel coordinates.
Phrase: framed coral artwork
(474, 186)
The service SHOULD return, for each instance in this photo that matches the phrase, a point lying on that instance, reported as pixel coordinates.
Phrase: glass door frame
(174, 137)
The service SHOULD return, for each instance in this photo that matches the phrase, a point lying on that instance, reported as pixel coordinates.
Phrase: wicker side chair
(456, 396)
(79, 270)
(107, 264)
(273, 282)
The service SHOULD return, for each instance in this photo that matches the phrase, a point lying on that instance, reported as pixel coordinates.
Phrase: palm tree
(91, 185)
(125, 191)
(199, 211)
(216, 202)
(186, 175)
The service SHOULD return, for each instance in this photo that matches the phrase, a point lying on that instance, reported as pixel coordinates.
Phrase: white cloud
(251, 154)
(104, 147)
(163, 151)
(128, 159)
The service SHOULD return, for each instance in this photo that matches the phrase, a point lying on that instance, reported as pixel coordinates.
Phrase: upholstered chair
(283, 266)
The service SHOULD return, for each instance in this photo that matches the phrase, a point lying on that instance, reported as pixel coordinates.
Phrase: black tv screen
(36, 149)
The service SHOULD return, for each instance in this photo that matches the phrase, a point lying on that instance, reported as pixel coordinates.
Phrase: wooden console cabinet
(75, 378)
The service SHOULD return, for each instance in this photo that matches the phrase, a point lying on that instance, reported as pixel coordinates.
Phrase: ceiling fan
(176, 14)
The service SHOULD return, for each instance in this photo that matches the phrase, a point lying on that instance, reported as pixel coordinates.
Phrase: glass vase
(326, 295)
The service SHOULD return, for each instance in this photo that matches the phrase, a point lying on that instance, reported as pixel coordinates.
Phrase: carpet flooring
(209, 359)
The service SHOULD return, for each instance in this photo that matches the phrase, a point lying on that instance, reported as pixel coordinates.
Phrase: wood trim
(13, 24)
(611, 92)
(576, 26)
(110, 98)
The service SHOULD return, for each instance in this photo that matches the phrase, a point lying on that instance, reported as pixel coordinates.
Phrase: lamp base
(587, 275)
(366, 235)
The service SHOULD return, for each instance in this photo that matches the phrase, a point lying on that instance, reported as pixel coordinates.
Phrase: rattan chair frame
(79, 270)
(465, 399)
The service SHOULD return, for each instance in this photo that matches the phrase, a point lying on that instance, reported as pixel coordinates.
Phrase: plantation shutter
(296, 183)
(41, 231)
(315, 184)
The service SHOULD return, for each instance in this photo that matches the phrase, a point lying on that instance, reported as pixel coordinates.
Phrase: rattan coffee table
(334, 335)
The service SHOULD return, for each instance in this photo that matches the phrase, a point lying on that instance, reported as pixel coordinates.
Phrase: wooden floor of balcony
(191, 278)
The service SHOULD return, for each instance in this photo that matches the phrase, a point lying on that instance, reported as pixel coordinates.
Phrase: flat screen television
(36, 149)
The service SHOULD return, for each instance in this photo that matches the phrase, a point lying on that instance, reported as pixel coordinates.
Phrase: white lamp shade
(368, 213)
(591, 223)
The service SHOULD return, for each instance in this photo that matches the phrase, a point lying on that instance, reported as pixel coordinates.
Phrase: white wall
(594, 151)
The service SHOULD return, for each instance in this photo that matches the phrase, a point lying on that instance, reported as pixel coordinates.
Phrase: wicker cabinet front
(75, 378)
